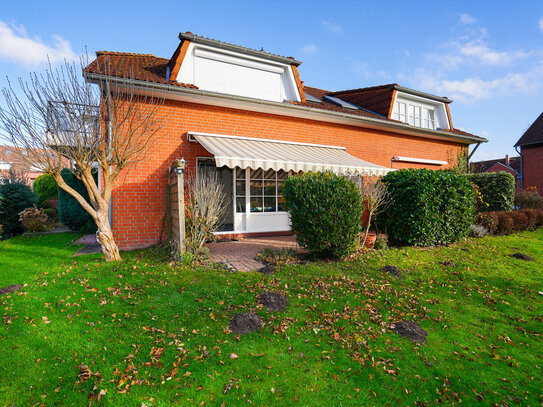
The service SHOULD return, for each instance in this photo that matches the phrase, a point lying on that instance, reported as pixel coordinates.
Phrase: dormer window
(415, 114)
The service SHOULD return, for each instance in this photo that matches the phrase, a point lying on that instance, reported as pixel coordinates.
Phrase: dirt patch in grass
(274, 301)
(267, 269)
(411, 330)
(521, 256)
(448, 263)
(10, 289)
(245, 323)
(394, 270)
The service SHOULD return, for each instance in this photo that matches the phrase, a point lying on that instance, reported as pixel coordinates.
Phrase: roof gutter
(237, 48)
(474, 149)
(176, 90)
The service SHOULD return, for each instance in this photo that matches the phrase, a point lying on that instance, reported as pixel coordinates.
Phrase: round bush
(427, 207)
(15, 197)
(45, 187)
(325, 211)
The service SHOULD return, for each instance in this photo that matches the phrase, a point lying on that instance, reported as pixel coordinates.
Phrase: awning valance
(243, 152)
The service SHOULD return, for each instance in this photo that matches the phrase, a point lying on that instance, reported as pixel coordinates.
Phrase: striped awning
(243, 152)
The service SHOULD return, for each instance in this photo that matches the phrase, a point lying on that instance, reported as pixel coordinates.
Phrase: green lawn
(155, 334)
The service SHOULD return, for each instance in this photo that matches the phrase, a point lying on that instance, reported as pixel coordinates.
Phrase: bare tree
(375, 196)
(58, 116)
(205, 210)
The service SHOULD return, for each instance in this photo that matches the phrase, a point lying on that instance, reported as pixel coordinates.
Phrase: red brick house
(248, 114)
(506, 164)
(10, 160)
(531, 153)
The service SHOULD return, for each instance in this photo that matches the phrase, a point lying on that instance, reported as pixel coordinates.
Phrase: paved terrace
(242, 254)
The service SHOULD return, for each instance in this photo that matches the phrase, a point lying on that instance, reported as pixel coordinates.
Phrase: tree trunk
(366, 232)
(105, 238)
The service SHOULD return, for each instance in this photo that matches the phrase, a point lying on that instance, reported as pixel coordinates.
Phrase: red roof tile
(143, 67)
(534, 134)
(377, 98)
(378, 95)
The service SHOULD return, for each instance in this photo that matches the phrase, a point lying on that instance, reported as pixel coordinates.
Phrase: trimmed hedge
(504, 223)
(45, 187)
(427, 207)
(497, 191)
(325, 211)
(70, 212)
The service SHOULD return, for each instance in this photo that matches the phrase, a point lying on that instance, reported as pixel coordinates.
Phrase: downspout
(521, 168)
(109, 145)
(471, 154)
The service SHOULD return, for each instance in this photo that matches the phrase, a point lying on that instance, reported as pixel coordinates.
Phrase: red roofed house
(507, 164)
(10, 160)
(531, 153)
(248, 114)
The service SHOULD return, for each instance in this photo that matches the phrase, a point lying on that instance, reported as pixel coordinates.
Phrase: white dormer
(225, 68)
(419, 111)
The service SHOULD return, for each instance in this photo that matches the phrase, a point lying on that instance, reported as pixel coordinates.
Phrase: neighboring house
(11, 160)
(248, 114)
(531, 153)
(507, 164)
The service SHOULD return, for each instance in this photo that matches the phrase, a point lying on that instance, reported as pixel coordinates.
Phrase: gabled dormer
(220, 67)
(406, 105)
(421, 109)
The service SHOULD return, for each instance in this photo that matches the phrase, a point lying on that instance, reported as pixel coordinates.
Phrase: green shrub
(528, 199)
(325, 211)
(497, 191)
(15, 197)
(70, 212)
(427, 207)
(89, 227)
(45, 187)
(51, 213)
(381, 242)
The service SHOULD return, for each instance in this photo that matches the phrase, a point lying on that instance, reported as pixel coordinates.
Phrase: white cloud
(17, 47)
(475, 88)
(467, 19)
(309, 49)
(333, 27)
(456, 54)
(483, 54)
(541, 24)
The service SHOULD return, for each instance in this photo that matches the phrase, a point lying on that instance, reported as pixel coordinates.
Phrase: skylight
(311, 98)
(340, 102)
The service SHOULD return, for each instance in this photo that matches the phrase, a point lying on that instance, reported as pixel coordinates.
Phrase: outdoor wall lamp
(180, 169)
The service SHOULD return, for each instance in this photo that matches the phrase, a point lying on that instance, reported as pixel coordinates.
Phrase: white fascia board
(418, 160)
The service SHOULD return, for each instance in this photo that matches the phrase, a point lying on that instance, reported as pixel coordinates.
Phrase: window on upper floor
(415, 115)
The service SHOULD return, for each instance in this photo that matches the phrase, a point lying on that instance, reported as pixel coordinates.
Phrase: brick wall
(532, 167)
(139, 200)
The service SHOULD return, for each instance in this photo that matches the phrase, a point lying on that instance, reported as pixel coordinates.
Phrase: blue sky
(485, 55)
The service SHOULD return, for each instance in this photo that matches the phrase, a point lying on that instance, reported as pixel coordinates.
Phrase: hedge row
(503, 223)
(497, 191)
(427, 207)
